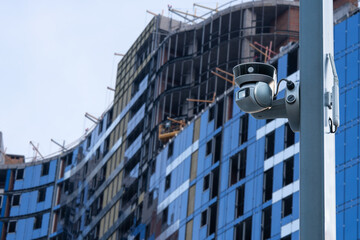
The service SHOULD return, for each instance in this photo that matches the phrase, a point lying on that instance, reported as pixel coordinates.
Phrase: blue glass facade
(347, 138)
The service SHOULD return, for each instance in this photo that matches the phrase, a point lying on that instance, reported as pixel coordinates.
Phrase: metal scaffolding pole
(317, 144)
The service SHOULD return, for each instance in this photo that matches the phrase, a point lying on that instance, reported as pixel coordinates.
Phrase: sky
(56, 61)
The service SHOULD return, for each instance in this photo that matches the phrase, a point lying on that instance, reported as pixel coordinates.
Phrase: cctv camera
(257, 83)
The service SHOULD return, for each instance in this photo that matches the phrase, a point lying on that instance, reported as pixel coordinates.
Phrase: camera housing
(257, 83)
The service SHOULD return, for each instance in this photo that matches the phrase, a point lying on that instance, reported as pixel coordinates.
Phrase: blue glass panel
(351, 183)
(352, 67)
(340, 226)
(279, 139)
(275, 218)
(342, 108)
(352, 30)
(340, 67)
(278, 175)
(339, 35)
(340, 148)
(351, 223)
(351, 147)
(339, 188)
(282, 67)
(351, 104)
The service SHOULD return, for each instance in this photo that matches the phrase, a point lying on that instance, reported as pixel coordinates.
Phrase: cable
(289, 84)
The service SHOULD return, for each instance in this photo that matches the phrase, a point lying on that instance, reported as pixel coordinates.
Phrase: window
(203, 218)
(288, 171)
(218, 143)
(206, 182)
(100, 126)
(269, 145)
(150, 200)
(38, 222)
(12, 227)
(268, 185)
(97, 157)
(211, 113)
(243, 229)
(41, 195)
(243, 128)
(1, 198)
(171, 149)
(106, 146)
(215, 182)
(167, 182)
(238, 167)
(88, 141)
(16, 200)
(289, 136)
(19, 174)
(45, 169)
(266, 223)
(286, 206)
(288, 237)
(208, 147)
(240, 194)
(213, 218)
(165, 215)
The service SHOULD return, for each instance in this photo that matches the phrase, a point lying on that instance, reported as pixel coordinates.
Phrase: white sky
(56, 60)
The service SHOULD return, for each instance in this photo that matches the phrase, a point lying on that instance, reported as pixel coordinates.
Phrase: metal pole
(317, 145)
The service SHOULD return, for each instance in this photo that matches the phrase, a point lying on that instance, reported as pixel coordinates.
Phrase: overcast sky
(56, 60)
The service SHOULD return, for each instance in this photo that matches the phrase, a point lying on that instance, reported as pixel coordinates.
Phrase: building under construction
(174, 157)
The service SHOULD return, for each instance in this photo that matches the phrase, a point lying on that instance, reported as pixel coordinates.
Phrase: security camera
(258, 90)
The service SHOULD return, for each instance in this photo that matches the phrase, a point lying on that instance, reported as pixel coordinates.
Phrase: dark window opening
(150, 199)
(288, 237)
(165, 215)
(268, 185)
(211, 113)
(100, 126)
(288, 171)
(243, 130)
(12, 227)
(269, 145)
(289, 136)
(208, 147)
(215, 183)
(220, 113)
(203, 218)
(19, 174)
(238, 167)
(45, 169)
(292, 65)
(206, 182)
(167, 182)
(97, 154)
(16, 200)
(240, 195)
(106, 146)
(266, 223)
(38, 222)
(213, 218)
(243, 229)
(109, 118)
(171, 149)
(41, 195)
(218, 144)
(287, 206)
(88, 141)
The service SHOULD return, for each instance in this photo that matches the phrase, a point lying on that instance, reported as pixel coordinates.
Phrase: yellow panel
(193, 168)
(114, 191)
(110, 191)
(196, 129)
(106, 225)
(191, 200)
(189, 230)
(101, 231)
(105, 197)
(116, 210)
(111, 222)
(107, 169)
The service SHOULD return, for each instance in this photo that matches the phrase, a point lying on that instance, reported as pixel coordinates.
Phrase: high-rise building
(174, 157)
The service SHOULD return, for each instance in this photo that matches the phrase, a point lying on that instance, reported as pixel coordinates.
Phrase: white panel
(175, 194)
(185, 154)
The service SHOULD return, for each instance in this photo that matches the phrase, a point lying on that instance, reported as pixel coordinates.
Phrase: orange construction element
(200, 100)
(173, 128)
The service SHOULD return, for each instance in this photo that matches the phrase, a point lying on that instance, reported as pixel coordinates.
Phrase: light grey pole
(317, 145)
